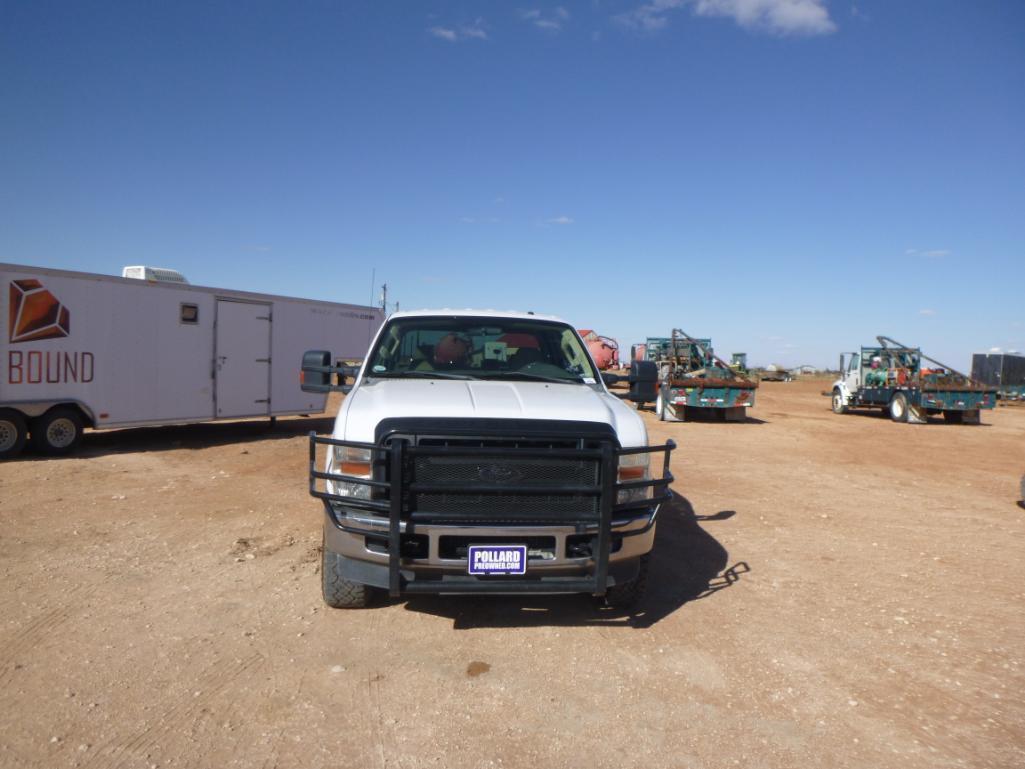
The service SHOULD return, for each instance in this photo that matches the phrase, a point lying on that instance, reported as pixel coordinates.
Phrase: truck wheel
(340, 593)
(899, 407)
(953, 417)
(58, 431)
(629, 593)
(839, 407)
(13, 433)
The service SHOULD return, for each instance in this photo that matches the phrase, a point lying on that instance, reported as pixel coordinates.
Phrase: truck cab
(481, 452)
(849, 381)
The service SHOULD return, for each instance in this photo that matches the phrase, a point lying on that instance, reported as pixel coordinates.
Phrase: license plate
(497, 559)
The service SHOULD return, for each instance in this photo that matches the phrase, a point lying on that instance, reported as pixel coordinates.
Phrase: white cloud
(444, 33)
(927, 312)
(475, 31)
(560, 220)
(549, 21)
(779, 17)
(936, 253)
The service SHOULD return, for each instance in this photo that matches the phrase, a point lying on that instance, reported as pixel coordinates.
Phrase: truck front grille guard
(398, 489)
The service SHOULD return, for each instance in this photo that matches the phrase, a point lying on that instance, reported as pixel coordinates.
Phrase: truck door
(242, 359)
(852, 373)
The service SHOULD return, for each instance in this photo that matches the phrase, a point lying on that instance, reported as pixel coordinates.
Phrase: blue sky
(789, 177)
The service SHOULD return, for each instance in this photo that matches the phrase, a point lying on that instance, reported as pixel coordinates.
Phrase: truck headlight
(345, 460)
(634, 467)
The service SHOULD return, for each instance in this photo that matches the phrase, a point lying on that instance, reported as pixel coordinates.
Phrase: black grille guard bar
(610, 512)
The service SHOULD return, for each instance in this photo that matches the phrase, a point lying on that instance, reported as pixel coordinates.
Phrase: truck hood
(371, 402)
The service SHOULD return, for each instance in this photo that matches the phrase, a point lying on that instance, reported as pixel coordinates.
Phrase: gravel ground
(827, 591)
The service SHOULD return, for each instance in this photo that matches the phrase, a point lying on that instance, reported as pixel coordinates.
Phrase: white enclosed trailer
(103, 351)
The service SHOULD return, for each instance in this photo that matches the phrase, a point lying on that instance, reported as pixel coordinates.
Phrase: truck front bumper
(386, 542)
(433, 554)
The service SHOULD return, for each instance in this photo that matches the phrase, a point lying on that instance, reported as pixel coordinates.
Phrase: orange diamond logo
(35, 313)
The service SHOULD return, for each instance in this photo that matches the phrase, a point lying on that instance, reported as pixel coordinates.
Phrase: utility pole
(384, 297)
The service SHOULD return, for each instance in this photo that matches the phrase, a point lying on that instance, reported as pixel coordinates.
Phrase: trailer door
(242, 359)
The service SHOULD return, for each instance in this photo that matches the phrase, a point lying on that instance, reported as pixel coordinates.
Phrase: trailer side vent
(190, 314)
(157, 274)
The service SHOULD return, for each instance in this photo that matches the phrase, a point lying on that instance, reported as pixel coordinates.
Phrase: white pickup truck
(481, 452)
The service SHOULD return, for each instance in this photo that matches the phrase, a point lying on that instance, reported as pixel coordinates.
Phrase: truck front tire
(629, 594)
(839, 407)
(13, 433)
(58, 431)
(340, 593)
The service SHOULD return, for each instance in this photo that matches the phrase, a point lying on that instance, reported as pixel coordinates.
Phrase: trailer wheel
(629, 593)
(340, 593)
(58, 431)
(899, 407)
(839, 407)
(660, 408)
(13, 433)
(953, 417)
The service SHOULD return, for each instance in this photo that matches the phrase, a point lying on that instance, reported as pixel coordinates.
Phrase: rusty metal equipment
(693, 379)
(604, 350)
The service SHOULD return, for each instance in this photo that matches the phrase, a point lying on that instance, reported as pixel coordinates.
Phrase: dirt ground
(828, 591)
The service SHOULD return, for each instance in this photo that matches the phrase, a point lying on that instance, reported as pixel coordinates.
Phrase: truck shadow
(194, 436)
(687, 564)
(930, 419)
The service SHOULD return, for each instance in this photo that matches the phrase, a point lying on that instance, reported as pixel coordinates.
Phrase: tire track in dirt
(213, 682)
(376, 720)
(27, 638)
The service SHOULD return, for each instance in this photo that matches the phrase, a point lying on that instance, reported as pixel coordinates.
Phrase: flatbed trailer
(692, 379)
(891, 377)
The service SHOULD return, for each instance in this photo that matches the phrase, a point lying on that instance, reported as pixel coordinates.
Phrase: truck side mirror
(315, 376)
(610, 379)
(643, 381)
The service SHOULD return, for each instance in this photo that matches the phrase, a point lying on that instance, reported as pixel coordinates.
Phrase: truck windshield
(480, 348)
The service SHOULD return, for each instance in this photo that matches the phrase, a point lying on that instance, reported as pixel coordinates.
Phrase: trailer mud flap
(916, 415)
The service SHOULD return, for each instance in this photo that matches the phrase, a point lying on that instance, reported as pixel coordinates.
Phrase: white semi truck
(481, 452)
(84, 350)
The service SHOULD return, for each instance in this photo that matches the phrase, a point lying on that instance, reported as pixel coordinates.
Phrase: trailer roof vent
(158, 274)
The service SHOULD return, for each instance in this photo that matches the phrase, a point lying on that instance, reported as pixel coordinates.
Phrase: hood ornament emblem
(497, 473)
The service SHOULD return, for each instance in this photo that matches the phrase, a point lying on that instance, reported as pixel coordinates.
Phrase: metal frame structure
(390, 510)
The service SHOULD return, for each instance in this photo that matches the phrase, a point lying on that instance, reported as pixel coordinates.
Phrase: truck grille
(463, 467)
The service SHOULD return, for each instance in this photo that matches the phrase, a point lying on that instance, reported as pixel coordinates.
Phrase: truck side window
(190, 314)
